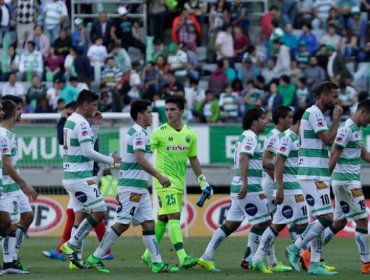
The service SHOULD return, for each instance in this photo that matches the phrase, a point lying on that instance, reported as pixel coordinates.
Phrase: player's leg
(159, 230)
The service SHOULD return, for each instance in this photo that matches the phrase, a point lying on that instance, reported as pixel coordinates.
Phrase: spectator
(172, 86)
(266, 26)
(309, 38)
(357, 24)
(68, 92)
(31, 62)
(53, 93)
(282, 66)
(268, 72)
(187, 115)
(248, 71)
(253, 96)
(287, 91)
(53, 65)
(302, 56)
(336, 69)
(361, 96)
(69, 63)
(101, 29)
(121, 31)
(55, 13)
(302, 93)
(295, 72)
(238, 16)
(224, 43)
(36, 92)
(159, 106)
(186, 30)
(13, 87)
(44, 106)
(344, 8)
(364, 54)
(137, 31)
(348, 47)
(151, 79)
(194, 95)
(346, 97)
(241, 42)
(79, 85)
(97, 53)
(80, 39)
(314, 73)
(273, 98)
(335, 19)
(111, 76)
(82, 67)
(289, 11)
(229, 71)
(209, 109)
(25, 19)
(218, 16)
(41, 41)
(253, 55)
(331, 38)
(136, 90)
(304, 13)
(229, 105)
(177, 62)
(12, 65)
(4, 20)
(105, 101)
(218, 80)
(63, 43)
(289, 39)
(157, 17)
(277, 32)
(321, 12)
(162, 64)
(121, 58)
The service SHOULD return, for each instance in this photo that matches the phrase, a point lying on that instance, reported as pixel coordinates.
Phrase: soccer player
(313, 174)
(247, 197)
(282, 118)
(15, 190)
(291, 207)
(345, 164)
(134, 198)
(175, 143)
(78, 161)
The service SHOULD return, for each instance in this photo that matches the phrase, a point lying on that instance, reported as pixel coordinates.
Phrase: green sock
(160, 229)
(175, 233)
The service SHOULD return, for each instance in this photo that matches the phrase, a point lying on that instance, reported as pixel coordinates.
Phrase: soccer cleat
(20, 266)
(246, 264)
(208, 265)
(10, 268)
(292, 254)
(318, 269)
(71, 254)
(53, 254)
(72, 266)
(260, 266)
(365, 268)
(280, 267)
(147, 261)
(326, 266)
(164, 267)
(305, 258)
(97, 264)
(108, 257)
(188, 262)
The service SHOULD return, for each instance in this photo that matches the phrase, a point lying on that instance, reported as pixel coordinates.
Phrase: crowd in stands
(211, 55)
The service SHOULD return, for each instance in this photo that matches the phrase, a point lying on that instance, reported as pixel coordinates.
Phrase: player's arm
(87, 149)
(365, 155)
(328, 136)
(243, 166)
(268, 166)
(334, 156)
(12, 172)
(279, 170)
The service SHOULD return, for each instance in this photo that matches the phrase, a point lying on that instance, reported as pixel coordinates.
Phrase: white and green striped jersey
(248, 144)
(9, 148)
(131, 174)
(288, 147)
(229, 103)
(76, 167)
(350, 139)
(313, 156)
(53, 13)
(270, 142)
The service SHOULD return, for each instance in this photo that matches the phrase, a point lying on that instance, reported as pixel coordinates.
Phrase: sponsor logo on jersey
(139, 143)
(345, 207)
(339, 139)
(282, 149)
(310, 200)
(299, 198)
(287, 212)
(84, 132)
(320, 185)
(357, 192)
(135, 197)
(177, 148)
(4, 150)
(262, 196)
(90, 182)
(187, 139)
(320, 124)
(247, 147)
(251, 209)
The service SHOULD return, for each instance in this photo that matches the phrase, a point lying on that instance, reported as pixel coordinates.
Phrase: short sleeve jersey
(173, 150)
(313, 153)
(76, 167)
(131, 174)
(347, 170)
(8, 148)
(248, 144)
(271, 140)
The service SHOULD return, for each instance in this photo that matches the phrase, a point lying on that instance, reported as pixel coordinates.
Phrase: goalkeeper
(175, 143)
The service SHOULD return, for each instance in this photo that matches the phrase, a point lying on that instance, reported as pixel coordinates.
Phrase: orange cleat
(365, 268)
(305, 258)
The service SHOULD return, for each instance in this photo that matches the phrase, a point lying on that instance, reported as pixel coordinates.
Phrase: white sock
(19, 236)
(362, 242)
(8, 249)
(152, 245)
(313, 230)
(79, 247)
(109, 238)
(316, 249)
(218, 236)
(271, 256)
(82, 231)
(264, 248)
(253, 242)
(328, 235)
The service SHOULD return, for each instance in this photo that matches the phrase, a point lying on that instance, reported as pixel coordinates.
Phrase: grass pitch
(341, 253)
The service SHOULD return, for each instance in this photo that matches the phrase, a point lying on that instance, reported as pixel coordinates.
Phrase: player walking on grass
(15, 190)
(134, 199)
(314, 176)
(175, 143)
(291, 207)
(345, 165)
(247, 197)
(79, 157)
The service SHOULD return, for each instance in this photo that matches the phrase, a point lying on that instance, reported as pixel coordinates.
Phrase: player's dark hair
(86, 96)
(179, 101)
(250, 116)
(9, 108)
(297, 116)
(13, 98)
(280, 113)
(364, 105)
(138, 106)
(325, 88)
(71, 105)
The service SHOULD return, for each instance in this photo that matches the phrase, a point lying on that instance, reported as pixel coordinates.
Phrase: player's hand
(29, 191)
(164, 181)
(337, 113)
(279, 196)
(202, 181)
(116, 159)
(243, 192)
(97, 118)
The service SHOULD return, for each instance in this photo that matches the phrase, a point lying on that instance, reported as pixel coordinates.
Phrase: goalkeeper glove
(202, 181)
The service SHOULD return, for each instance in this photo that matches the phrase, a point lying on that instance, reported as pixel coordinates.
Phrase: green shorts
(170, 202)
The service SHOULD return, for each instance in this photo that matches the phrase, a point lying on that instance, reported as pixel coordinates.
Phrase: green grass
(341, 253)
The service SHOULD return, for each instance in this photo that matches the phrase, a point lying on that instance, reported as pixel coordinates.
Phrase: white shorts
(253, 206)
(293, 210)
(3, 203)
(349, 202)
(134, 207)
(317, 195)
(85, 197)
(267, 185)
(18, 204)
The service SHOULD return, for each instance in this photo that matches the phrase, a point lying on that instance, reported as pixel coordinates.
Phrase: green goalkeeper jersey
(173, 150)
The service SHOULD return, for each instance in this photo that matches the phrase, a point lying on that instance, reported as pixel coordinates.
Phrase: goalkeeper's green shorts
(170, 201)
